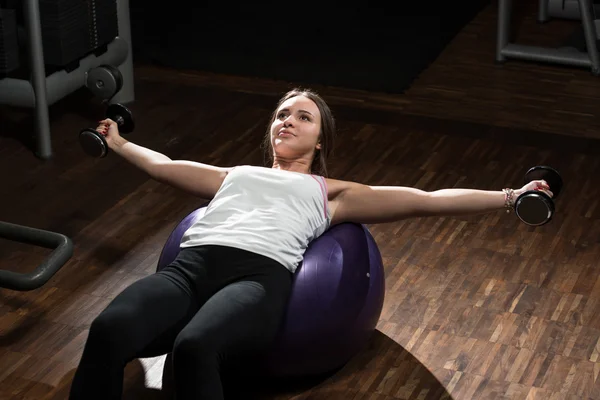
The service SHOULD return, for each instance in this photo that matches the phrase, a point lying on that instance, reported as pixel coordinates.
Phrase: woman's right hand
(110, 130)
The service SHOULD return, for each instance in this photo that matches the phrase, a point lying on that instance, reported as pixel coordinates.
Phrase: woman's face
(296, 128)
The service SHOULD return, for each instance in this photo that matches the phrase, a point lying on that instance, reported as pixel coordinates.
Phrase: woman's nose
(287, 121)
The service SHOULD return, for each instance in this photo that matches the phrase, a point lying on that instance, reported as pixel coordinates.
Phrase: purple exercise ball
(335, 304)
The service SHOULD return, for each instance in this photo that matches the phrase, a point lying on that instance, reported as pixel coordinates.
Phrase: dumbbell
(104, 81)
(534, 207)
(93, 142)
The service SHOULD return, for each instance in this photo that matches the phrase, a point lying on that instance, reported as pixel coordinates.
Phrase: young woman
(226, 292)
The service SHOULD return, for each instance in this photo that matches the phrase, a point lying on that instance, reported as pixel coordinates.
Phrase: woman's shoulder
(240, 167)
(336, 186)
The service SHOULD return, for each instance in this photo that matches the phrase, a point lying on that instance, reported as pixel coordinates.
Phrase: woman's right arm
(199, 179)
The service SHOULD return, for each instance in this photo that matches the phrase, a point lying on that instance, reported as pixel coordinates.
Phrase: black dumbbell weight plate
(104, 81)
(122, 115)
(534, 208)
(93, 143)
(548, 174)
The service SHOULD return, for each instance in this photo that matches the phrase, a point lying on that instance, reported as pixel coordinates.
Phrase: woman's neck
(293, 166)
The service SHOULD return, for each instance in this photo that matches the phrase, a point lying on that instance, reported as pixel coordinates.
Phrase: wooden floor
(479, 307)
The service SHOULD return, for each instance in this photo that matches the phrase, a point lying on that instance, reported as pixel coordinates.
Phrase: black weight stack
(104, 23)
(72, 29)
(64, 31)
(9, 43)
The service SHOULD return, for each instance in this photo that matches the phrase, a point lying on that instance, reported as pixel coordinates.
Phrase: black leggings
(210, 304)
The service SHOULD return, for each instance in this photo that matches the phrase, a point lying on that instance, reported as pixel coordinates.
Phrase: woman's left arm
(378, 204)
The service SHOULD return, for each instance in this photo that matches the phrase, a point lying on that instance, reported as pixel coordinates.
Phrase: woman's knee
(194, 348)
(113, 331)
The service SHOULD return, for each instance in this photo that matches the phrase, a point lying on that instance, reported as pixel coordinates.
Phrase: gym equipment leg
(589, 30)
(502, 35)
(63, 250)
(505, 49)
(127, 94)
(38, 78)
(543, 11)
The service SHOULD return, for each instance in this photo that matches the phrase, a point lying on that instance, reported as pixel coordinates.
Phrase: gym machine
(108, 75)
(570, 56)
(106, 72)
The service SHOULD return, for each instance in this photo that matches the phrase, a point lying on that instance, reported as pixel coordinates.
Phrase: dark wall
(380, 49)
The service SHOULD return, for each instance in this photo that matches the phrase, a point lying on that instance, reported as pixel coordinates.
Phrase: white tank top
(267, 211)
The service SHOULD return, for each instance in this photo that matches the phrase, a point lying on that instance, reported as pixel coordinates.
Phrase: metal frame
(63, 250)
(506, 50)
(41, 91)
(566, 9)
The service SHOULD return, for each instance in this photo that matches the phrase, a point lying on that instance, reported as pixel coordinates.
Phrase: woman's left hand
(540, 185)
